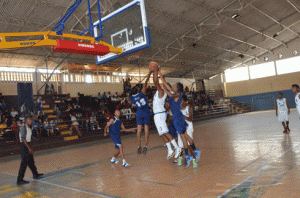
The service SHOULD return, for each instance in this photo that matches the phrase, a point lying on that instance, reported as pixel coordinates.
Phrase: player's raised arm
(111, 122)
(164, 81)
(176, 95)
(146, 82)
(127, 130)
(157, 85)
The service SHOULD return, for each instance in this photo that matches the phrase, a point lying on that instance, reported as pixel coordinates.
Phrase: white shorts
(283, 116)
(189, 131)
(160, 121)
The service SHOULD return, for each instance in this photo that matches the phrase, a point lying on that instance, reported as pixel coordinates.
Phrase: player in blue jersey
(175, 98)
(115, 125)
(170, 121)
(143, 113)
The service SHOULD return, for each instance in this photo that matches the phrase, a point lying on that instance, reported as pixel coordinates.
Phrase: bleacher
(9, 143)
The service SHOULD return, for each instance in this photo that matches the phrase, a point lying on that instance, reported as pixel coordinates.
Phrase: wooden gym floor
(245, 155)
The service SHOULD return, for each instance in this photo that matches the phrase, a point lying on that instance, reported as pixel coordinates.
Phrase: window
(262, 70)
(288, 65)
(108, 79)
(237, 74)
(54, 78)
(66, 77)
(78, 78)
(88, 78)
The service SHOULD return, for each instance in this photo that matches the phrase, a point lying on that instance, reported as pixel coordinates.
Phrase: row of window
(263, 70)
(15, 77)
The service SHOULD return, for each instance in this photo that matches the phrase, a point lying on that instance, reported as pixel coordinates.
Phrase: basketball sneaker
(114, 161)
(126, 164)
(288, 130)
(197, 154)
(188, 160)
(145, 150)
(177, 153)
(175, 161)
(170, 154)
(179, 161)
(139, 151)
(195, 165)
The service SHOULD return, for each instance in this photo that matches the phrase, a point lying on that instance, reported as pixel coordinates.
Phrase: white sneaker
(170, 154)
(177, 154)
(126, 164)
(114, 161)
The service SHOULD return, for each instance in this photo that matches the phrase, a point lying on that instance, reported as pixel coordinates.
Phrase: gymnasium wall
(262, 93)
(9, 89)
(91, 89)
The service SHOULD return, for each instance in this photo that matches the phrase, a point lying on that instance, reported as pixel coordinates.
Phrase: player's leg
(78, 131)
(173, 142)
(287, 126)
(146, 128)
(117, 151)
(188, 158)
(125, 164)
(139, 131)
(71, 130)
(284, 127)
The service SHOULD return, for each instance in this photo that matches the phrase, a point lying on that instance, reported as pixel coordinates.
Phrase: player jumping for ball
(175, 98)
(160, 116)
(115, 125)
(143, 113)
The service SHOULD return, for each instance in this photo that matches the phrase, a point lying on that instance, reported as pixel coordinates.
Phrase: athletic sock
(169, 146)
(193, 146)
(186, 151)
(113, 158)
(174, 144)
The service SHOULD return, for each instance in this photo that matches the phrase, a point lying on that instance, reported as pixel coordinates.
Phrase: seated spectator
(99, 96)
(69, 107)
(15, 129)
(3, 126)
(76, 106)
(53, 129)
(93, 122)
(104, 96)
(14, 113)
(3, 105)
(39, 102)
(47, 126)
(108, 95)
(116, 95)
(56, 111)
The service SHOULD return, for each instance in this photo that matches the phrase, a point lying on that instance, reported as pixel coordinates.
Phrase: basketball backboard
(126, 28)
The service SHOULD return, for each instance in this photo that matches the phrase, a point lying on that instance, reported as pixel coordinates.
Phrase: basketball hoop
(134, 56)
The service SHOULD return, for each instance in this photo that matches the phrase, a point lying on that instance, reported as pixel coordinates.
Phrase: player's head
(167, 104)
(280, 95)
(135, 90)
(178, 87)
(295, 88)
(117, 113)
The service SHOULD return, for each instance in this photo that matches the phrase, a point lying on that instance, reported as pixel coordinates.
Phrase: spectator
(69, 107)
(104, 96)
(39, 102)
(74, 125)
(116, 95)
(76, 106)
(14, 113)
(187, 89)
(3, 126)
(56, 112)
(41, 116)
(99, 96)
(52, 89)
(46, 89)
(14, 127)
(93, 122)
(46, 127)
(53, 129)
(3, 105)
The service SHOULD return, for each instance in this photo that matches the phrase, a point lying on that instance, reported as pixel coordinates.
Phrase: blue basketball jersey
(141, 102)
(176, 108)
(115, 128)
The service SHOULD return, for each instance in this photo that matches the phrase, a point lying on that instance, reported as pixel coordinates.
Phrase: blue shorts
(117, 141)
(180, 126)
(143, 118)
(172, 130)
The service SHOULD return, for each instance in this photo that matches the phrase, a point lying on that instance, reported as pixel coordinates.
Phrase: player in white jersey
(160, 118)
(282, 112)
(187, 112)
(295, 90)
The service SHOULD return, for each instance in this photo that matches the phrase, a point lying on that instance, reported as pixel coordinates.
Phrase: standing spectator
(99, 96)
(187, 89)
(3, 105)
(14, 128)
(93, 122)
(46, 89)
(40, 105)
(52, 89)
(56, 112)
(14, 113)
(116, 95)
(46, 127)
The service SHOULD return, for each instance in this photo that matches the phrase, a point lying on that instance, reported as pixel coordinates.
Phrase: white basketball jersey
(297, 101)
(159, 103)
(281, 105)
(186, 113)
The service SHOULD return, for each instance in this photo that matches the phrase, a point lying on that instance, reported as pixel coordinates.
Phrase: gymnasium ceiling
(191, 38)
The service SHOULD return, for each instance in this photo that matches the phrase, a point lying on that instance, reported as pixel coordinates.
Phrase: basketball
(153, 65)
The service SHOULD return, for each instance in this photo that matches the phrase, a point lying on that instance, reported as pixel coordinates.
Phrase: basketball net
(133, 58)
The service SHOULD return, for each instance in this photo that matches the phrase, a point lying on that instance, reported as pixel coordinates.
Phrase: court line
(257, 172)
(66, 187)
(153, 182)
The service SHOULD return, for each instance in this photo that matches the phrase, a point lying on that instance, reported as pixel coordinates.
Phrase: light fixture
(235, 16)
(280, 55)
(266, 58)
(254, 61)
(295, 53)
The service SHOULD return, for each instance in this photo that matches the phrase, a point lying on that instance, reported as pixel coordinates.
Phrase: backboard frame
(138, 47)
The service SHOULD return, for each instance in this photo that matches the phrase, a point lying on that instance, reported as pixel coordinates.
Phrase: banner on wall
(91, 67)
